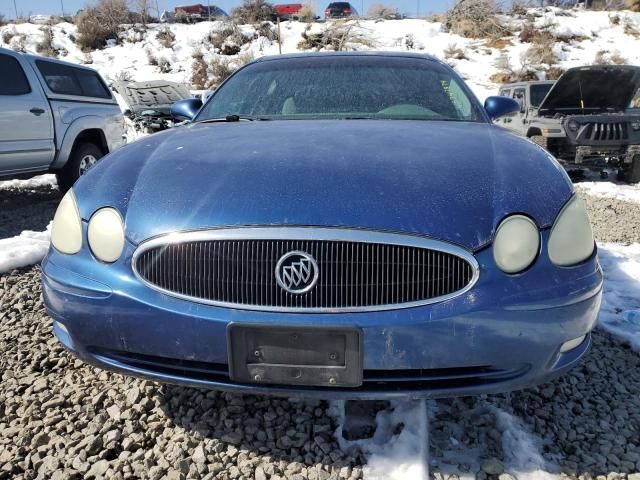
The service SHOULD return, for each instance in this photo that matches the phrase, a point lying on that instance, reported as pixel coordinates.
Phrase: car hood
(452, 181)
(591, 89)
(156, 95)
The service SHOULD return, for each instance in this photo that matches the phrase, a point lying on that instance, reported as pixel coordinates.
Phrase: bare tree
(142, 7)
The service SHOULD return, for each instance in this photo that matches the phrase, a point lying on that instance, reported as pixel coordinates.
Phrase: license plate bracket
(295, 355)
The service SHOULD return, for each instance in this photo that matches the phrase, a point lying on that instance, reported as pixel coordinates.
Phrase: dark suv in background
(339, 10)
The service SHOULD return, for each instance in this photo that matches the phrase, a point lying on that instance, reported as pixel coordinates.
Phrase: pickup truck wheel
(83, 157)
(630, 172)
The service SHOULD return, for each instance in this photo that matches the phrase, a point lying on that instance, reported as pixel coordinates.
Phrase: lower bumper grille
(349, 275)
(373, 380)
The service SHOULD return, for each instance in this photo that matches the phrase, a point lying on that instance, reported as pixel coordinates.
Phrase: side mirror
(186, 109)
(500, 106)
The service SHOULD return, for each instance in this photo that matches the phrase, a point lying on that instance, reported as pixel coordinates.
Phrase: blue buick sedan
(342, 225)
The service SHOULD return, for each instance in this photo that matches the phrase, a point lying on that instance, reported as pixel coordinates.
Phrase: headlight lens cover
(571, 238)
(516, 243)
(66, 231)
(106, 234)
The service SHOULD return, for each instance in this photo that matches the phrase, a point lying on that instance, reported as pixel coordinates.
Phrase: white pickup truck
(54, 117)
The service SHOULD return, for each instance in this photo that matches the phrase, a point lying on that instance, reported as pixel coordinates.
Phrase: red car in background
(288, 10)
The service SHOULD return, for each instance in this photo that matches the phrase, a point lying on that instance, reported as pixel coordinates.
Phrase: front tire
(630, 172)
(540, 140)
(82, 158)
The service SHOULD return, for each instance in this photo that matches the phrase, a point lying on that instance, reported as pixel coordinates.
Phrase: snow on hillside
(588, 33)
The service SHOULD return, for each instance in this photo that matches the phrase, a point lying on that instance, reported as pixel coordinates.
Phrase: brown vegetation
(337, 36)
(475, 19)
(254, 11)
(100, 23)
(166, 37)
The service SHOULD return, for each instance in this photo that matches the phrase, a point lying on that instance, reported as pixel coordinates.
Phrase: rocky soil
(60, 418)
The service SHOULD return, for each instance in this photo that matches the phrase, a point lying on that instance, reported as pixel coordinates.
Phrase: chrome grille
(353, 275)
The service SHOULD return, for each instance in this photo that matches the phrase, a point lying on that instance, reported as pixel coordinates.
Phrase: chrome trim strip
(307, 233)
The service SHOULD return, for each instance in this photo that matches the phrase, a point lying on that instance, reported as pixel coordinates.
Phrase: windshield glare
(343, 87)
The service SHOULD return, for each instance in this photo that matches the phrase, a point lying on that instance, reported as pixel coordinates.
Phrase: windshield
(538, 92)
(336, 87)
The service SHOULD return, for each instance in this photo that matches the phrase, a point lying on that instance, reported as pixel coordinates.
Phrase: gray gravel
(60, 418)
(613, 220)
(30, 209)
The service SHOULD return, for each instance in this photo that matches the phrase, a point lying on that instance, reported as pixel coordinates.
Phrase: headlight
(573, 125)
(66, 231)
(106, 234)
(516, 243)
(571, 239)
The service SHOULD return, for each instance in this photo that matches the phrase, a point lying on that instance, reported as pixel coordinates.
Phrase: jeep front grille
(357, 270)
(605, 131)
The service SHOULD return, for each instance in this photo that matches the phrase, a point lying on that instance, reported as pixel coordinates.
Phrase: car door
(26, 126)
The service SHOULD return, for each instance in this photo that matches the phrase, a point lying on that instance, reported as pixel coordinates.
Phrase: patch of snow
(47, 180)
(25, 249)
(392, 456)
(627, 193)
(522, 450)
(620, 311)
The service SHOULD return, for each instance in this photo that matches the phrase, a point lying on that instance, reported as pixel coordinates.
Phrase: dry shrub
(614, 19)
(542, 53)
(604, 57)
(124, 76)
(379, 11)
(633, 5)
(229, 39)
(152, 59)
(630, 29)
(164, 65)
(434, 18)
(166, 37)
(453, 52)
(208, 74)
(254, 11)
(267, 30)
(475, 19)
(499, 43)
(100, 23)
(507, 73)
(337, 36)
(182, 17)
(18, 43)
(45, 47)
(544, 34)
(8, 34)
(199, 74)
(553, 73)
(307, 13)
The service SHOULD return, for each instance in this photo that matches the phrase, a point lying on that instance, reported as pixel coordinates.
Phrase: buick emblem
(297, 272)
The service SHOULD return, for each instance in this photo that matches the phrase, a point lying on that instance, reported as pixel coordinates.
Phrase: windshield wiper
(235, 118)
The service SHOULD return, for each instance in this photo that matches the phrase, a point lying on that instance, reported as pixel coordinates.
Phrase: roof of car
(288, 56)
(32, 58)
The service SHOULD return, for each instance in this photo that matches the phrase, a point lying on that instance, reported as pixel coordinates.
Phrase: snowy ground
(594, 31)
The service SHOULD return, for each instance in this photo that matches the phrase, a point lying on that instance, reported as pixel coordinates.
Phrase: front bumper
(503, 334)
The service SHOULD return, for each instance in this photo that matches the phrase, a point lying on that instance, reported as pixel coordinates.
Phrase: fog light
(571, 344)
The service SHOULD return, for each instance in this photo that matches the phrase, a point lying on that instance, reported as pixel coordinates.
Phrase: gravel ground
(27, 210)
(60, 418)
